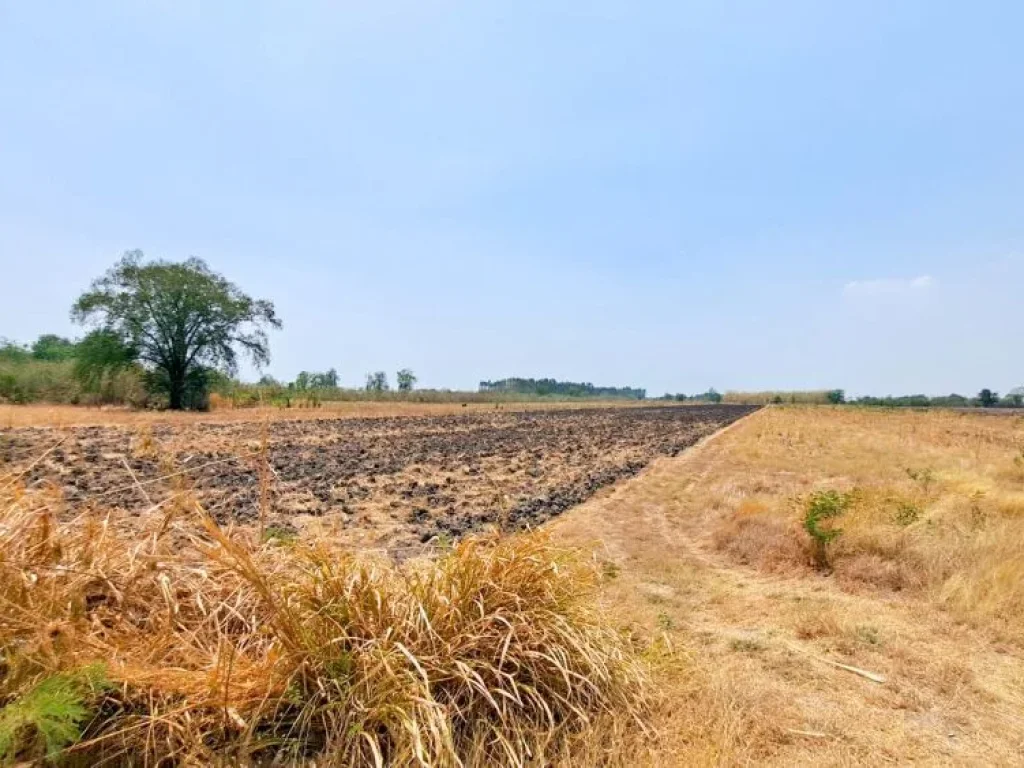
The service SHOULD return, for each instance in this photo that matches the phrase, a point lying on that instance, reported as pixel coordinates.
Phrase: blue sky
(678, 195)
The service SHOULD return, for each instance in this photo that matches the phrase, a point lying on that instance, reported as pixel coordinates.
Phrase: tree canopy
(406, 380)
(181, 319)
(377, 382)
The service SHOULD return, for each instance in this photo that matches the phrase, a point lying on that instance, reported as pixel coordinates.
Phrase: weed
(746, 645)
(281, 533)
(822, 507)
(666, 622)
(610, 569)
(48, 717)
(869, 634)
(906, 513)
(924, 477)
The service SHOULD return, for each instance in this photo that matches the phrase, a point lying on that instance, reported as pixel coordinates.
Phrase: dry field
(46, 415)
(396, 483)
(910, 651)
(909, 648)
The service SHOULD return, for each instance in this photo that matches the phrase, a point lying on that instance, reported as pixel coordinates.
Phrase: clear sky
(674, 195)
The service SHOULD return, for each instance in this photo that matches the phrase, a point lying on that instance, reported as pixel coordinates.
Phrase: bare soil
(396, 483)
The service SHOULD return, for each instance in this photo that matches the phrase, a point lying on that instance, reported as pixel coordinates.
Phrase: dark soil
(383, 482)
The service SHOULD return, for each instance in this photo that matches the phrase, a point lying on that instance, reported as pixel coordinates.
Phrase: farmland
(396, 483)
(730, 642)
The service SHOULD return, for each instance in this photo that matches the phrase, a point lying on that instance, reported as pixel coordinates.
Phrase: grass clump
(217, 645)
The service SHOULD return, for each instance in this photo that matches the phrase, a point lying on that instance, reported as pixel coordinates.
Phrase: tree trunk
(177, 393)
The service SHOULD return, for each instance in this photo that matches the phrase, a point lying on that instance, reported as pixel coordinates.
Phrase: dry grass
(804, 397)
(708, 559)
(212, 643)
(48, 415)
(937, 503)
(188, 642)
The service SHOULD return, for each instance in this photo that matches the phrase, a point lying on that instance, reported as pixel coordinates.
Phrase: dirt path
(749, 660)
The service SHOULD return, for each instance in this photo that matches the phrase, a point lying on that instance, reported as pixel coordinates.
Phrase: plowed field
(394, 483)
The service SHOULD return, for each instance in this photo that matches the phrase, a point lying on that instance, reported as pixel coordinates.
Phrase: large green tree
(181, 318)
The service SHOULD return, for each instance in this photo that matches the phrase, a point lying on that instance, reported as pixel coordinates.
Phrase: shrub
(906, 513)
(822, 507)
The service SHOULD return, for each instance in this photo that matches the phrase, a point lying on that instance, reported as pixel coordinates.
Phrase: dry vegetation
(192, 643)
(911, 650)
(902, 642)
(807, 397)
(59, 416)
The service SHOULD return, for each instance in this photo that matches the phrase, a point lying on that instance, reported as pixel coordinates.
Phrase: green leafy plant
(49, 717)
(822, 507)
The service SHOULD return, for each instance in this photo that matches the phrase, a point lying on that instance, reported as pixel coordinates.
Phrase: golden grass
(793, 397)
(186, 642)
(938, 502)
(710, 561)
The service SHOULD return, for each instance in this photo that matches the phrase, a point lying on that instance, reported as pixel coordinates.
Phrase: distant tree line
(548, 387)
(986, 398)
(711, 396)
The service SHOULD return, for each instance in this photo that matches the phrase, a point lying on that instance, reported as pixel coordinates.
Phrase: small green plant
(49, 717)
(283, 534)
(666, 622)
(824, 506)
(906, 513)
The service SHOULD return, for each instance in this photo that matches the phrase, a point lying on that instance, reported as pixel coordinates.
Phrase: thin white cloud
(888, 286)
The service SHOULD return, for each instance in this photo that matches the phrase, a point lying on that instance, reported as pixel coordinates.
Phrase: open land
(910, 651)
(907, 648)
(395, 483)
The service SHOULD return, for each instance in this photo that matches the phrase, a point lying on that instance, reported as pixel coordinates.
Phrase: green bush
(822, 507)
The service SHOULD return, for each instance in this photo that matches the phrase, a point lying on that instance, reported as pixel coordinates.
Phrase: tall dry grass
(787, 397)
(180, 641)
